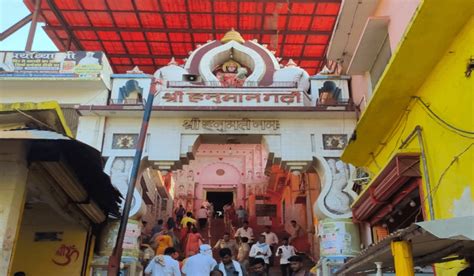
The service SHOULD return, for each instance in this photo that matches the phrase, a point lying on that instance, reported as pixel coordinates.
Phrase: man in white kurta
(261, 250)
(285, 252)
(164, 265)
(245, 231)
(200, 264)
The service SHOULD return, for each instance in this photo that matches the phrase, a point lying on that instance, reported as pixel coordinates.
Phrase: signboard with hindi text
(52, 65)
(215, 98)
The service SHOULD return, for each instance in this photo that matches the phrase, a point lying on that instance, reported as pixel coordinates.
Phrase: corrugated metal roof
(431, 242)
(148, 33)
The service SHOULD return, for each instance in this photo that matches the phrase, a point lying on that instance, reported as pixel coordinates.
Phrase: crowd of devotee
(183, 245)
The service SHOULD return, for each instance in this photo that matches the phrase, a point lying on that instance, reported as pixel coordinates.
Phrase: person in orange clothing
(163, 241)
(194, 241)
(183, 235)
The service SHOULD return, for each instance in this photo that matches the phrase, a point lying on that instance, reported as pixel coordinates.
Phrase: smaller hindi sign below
(232, 126)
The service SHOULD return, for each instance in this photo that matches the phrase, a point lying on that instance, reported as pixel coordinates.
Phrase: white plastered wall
(90, 130)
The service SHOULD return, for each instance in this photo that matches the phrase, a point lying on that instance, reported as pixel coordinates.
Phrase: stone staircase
(216, 229)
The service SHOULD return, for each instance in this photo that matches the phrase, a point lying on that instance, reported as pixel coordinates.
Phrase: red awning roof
(388, 188)
(148, 33)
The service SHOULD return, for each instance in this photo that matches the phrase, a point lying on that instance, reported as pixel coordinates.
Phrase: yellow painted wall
(450, 94)
(35, 258)
(449, 155)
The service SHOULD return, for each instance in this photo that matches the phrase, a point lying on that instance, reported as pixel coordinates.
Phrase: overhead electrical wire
(441, 120)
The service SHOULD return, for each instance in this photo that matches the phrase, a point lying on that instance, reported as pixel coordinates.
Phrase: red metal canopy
(148, 33)
(396, 181)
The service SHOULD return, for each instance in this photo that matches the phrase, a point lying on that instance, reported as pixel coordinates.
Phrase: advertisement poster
(51, 64)
(338, 238)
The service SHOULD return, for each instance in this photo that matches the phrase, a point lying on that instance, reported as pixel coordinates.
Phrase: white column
(379, 269)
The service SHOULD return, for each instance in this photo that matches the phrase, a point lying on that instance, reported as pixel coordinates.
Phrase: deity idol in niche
(231, 74)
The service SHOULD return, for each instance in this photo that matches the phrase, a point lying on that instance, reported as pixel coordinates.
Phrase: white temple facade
(231, 123)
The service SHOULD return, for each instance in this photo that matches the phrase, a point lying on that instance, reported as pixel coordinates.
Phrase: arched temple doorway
(219, 183)
(223, 164)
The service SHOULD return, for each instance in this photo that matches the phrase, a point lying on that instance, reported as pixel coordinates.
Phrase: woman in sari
(194, 240)
(184, 233)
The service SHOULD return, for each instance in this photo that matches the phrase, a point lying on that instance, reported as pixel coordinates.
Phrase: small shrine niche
(231, 73)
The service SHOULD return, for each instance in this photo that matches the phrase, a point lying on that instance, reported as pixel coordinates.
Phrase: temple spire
(135, 70)
(291, 63)
(233, 35)
(173, 61)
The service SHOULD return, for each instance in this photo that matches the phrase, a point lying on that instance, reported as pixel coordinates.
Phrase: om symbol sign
(66, 253)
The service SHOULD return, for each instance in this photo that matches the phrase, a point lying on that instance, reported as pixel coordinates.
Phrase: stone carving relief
(334, 141)
(120, 172)
(261, 188)
(184, 183)
(124, 141)
(337, 195)
(119, 169)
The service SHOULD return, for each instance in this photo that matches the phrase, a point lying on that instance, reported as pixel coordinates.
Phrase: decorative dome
(171, 72)
(293, 73)
(233, 35)
(173, 62)
(135, 70)
(325, 71)
(291, 63)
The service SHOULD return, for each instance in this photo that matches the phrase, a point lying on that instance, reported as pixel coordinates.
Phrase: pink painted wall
(222, 166)
(219, 175)
(360, 87)
(400, 12)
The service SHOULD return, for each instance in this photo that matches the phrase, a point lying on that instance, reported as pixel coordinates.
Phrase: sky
(10, 12)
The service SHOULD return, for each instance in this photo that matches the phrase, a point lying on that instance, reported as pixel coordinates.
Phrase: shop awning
(432, 242)
(397, 180)
(76, 165)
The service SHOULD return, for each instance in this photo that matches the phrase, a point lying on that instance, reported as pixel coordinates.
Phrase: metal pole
(114, 260)
(426, 174)
(15, 27)
(31, 34)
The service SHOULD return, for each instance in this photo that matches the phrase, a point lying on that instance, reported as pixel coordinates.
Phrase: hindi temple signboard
(232, 125)
(51, 65)
(232, 98)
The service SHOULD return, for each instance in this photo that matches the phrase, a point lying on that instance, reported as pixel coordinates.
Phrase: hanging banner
(55, 65)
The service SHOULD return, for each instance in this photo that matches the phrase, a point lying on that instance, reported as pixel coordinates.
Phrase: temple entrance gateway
(219, 199)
